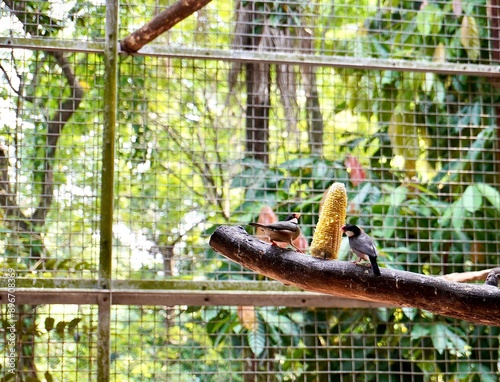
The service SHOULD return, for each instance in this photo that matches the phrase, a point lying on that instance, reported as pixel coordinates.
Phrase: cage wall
(244, 111)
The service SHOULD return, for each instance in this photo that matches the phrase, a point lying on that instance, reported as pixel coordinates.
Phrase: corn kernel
(328, 234)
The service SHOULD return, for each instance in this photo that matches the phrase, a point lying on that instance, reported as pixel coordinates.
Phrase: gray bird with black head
(362, 245)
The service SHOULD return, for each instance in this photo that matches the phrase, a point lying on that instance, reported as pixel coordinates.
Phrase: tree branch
(8, 197)
(161, 23)
(474, 303)
(66, 109)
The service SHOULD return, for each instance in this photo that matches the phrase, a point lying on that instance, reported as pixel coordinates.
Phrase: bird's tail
(375, 268)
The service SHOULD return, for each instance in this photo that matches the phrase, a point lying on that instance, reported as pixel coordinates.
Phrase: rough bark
(475, 303)
(161, 23)
(67, 107)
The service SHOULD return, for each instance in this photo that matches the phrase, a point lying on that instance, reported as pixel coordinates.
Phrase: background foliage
(416, 149)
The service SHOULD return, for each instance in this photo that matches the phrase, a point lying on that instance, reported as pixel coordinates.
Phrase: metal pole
(107, 188)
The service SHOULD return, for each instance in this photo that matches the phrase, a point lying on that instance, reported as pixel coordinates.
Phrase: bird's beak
(343, 228)
(296, 216)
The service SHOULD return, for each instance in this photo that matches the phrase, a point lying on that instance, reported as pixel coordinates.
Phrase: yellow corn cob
(328, 234)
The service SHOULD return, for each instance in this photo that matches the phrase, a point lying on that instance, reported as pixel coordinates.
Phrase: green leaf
(397, 197)
(419, 331)
(60, 328)
(429, 20)
(72, 324)
(490, 193)
(444, 338)
(49, 324)
(410, 312)
(257, 339)
(472, 199)
(458, 216)
(438, 336)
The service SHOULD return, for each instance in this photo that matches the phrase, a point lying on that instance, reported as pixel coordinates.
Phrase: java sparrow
(282, 232)
(362, 245)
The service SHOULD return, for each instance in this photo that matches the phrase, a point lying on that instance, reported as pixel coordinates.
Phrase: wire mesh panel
(437, 31)
(281, 344)
(49, 153)
(82, 21)
(245, 111)
(419, 170)
(50, 342)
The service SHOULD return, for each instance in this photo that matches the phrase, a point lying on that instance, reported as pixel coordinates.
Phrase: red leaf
(356, 173)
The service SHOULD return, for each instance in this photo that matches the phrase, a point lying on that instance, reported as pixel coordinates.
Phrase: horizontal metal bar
(186, 297)
(203, 285)
(318, 60)
(25, 282)
(52, 45)
(169, 284)
(269, 57)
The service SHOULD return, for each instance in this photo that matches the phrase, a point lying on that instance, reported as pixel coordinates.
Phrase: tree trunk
(257, 111)
(314, 123)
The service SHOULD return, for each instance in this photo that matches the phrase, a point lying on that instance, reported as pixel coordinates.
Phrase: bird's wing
(364, 244)
(281, 226)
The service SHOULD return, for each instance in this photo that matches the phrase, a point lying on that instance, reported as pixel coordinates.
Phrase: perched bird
(282, 232)
(362, 245)
(492, 279)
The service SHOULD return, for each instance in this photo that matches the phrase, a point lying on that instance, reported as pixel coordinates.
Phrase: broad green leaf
(398, 196)
(438, 333)
(360, 197)
(257, 339)
(429, 20)
(469, 37)
(61, 325)
(49, 324)
(458, 216)
(472, 199)
(444, 338)
(490, 193)
(419, 331)
(72, 324)
(411, 313)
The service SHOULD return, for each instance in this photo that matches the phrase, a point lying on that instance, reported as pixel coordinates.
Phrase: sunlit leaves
(469, 37)
(429, 20)
(472, 199)
(403, 133)
(439, 53)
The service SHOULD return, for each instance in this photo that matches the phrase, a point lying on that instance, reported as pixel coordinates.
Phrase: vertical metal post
(107, 189)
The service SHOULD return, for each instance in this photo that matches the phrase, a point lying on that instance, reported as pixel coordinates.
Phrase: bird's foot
(366, 265)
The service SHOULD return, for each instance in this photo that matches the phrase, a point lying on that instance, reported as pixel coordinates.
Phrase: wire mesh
(49, 164)
(53, 20)
(278, 343)
(227, 139)
(55, 342)
(426, 31)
